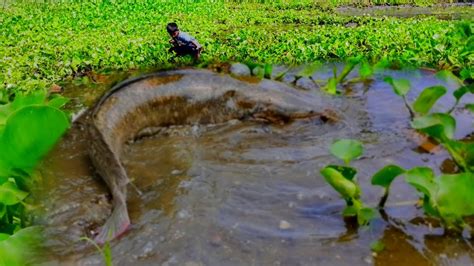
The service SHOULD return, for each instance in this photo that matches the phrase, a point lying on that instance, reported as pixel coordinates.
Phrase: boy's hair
(172, 27)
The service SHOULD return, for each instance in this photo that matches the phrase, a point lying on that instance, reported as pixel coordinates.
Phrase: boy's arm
(196, 44)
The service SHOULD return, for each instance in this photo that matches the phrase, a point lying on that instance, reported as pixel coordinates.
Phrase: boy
(183, 43)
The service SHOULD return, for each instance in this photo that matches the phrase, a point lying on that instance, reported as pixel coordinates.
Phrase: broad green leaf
(428, 98)
(365, 215)
(10, 194)
(462, 153)
(400, 86)
(3, 210)
(347, 149)
(455, 195)
(470, 107)
(346, 188)
(20, 101)
(29, 134)
(422, 178)
(21, 247)
(448, 76)
(460, 92)
(466, 73)
(347, 171)
(4, 236)
(58, 102)
(349, 211)
(438, 125)
(385, 176)
(34, 98)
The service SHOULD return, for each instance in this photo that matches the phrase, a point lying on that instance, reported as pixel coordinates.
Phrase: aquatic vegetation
(45, 43)
(105, 251)
(439, 126)
(447, 197)
(343, 179)
(29, 127)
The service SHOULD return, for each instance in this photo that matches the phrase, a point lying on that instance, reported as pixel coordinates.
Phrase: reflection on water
(245, 193)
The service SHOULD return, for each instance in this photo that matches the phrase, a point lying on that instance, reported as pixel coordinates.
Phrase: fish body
(178, 98)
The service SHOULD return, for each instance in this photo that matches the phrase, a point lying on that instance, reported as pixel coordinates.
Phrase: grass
(44, 43)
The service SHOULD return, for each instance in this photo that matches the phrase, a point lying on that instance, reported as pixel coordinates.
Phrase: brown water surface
(246, 193)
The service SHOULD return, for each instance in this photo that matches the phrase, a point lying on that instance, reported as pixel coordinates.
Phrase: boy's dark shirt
(184, 39)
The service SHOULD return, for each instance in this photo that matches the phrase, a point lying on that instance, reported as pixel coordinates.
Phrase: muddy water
(245, 193)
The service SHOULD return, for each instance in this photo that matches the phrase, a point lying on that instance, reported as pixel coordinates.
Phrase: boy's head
(172, 29)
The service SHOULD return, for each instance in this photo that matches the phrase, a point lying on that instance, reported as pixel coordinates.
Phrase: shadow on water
(246, 193)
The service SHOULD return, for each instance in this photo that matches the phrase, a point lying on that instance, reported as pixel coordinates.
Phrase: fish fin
(116, 224)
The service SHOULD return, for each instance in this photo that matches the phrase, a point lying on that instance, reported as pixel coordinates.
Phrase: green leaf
(349, 211)
(462, 153)
(455, 195)
(347, 171)
(385, 176)
(365, 70)
(331, 86)
(58, 102)
(10, 194)
(365, 215)
(460, 92)
(345, 187)
(309, 69)
(107, 254)
(3, 210)
(268, 70)
(258, 71)
(29, 134)
(20, 101)
(21, 247)
(439, 125)
(377, 246)
(400, 86)
(422, 179)
(4, 236)
(347, 149)
(427, 99)
(448, 76)
(470, 107)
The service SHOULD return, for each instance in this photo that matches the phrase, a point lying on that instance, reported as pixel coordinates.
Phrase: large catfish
(177, 98)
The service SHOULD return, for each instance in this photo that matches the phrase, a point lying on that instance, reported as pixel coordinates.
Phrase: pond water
(247, 193)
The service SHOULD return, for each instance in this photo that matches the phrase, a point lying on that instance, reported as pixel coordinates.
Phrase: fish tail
(116, 224)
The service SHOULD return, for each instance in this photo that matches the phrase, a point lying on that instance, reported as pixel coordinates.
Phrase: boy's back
(183, 43)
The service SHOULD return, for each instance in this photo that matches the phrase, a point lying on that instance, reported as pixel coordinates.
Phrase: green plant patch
(448, 197)
(44, 43)
(347, 149)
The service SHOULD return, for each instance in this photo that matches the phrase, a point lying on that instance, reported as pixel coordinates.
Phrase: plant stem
(454, 106)
(384, 198)
(412, 113)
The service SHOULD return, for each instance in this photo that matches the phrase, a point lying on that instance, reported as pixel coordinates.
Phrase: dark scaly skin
(178, 98)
